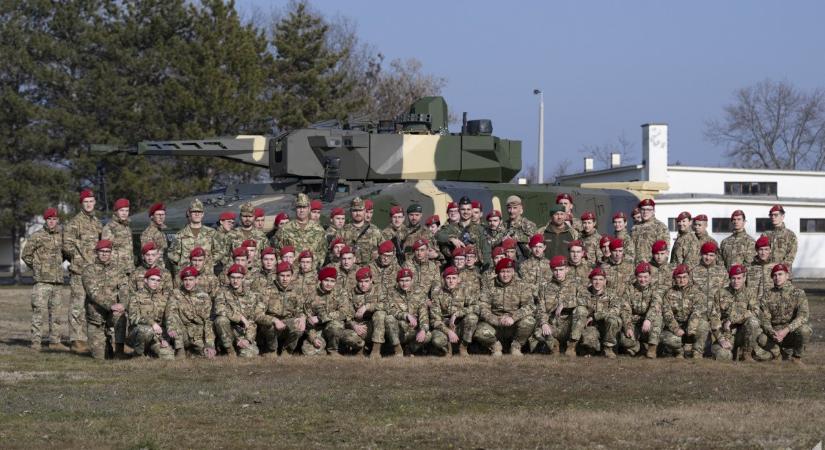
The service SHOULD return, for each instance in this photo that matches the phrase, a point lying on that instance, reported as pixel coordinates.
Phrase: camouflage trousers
(742, 337)
(270, 338)
(516, 334)
(100, 338)
(339, 337)
(376, 323)
(230, 333)
(561, 325)
(46, 298)
(633, 345)
(192, 338)
(465, 327)
(77, 309)
(694, 339)
(144, 341)
(793, 344)
(406, 335)
(599, 333)
(308, 337)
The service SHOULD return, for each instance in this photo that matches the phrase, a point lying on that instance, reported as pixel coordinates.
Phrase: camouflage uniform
(79, 239)
(123, 252)
(553, 294)
(709, 280)
(661, 277)
(396, 235)
(346, 281)
(685, 308)
(305, 284)
(147, 308)
(514, 299)
(187, 239)
(703, 238)
(307, 236)
(190, 317)
(605, 309)
(637, 305)
(579, 274)
(535, 271)
(335, 314)
(445, 303)
(401, 303)
(619, 276)
(785, 307)
(384, 276)
(686, 249)
(43, 253)
(415, 233)
(741, 308)
(375, 314)
(759, 276)
(104, 286)
(494, 238)
(472, 233)
(521, 229)
(627, 241)
(738, 248)
(556, 239)
(230, 306)
(136, 285)
(208, 283)
(425, 276)
(221, 249)
(644, 235)
(591, 245)
(470, 282)
(157, 236)
(783, 245)
(364, 241)
(279, 302)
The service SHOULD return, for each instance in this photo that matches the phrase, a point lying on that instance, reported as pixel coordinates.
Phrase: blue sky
(605, 67)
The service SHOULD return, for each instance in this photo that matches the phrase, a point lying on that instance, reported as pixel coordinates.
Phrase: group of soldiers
(475, 284)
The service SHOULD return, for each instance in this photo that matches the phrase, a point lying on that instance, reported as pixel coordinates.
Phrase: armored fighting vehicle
(413, 158)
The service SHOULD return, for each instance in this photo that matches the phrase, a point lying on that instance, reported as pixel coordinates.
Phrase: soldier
(596, 319)
(517, 226)
(334, 255)
(221, 241)
(280, 220)
(247, 231)
(453, 312)
(477, 211)
(154, 232)
(708, 276)
(618, 270)
(315, 207)
(590, 236)
(267, 275)
(700, 229)
(150, 257)
(578, 268)
(734, 318)
(337, 220)
(496, 230)
(150, 319)
(425, 273)
(620, 226)
(370, 307)
(260, 218)
(557, 233)
(331, 305)
(302, 233)
(566, 200)
(783, 240)
(507, 311)
(396, 231)
(278, 322)
(686, 247)
(661, 268)
(433, 223)
(468, 272)
(738, 248)
(759, 271)
(369, 210)
(453, 215)
(208, 282)
(306, 279)
(784, 314)
(43, 253)
(465, 232)
(415, 229)
(117, 230)
(604, 250)
(554, 312)
(346, 270)
(536, 269)
(194, 234)
(409, 328)
(312, 340)
(684, 316)
(106, 292)
(636, 214)
(385, 268)
(641, 314)
(79, 239)
(236, 310)
(238, 258)
(361, 235)
(253, 261)
(647, 232)
(192, 327)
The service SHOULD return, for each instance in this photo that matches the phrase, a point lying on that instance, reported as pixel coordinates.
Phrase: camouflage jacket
(682, 306)
(399, 234)
(445, 303)
(619, 276)
(191, 311)
(279, 302)
(413, 302)
(759, 276)
(346, 279)
(555, 293)
(44, 254)
(738, 248)
(150, 307)
(580, 274)
(236, 237)
(304, 284)
(364, 241)
(308, 236)
(784, 307)
(221, 248)
(79, 239)
(685, 249)
(155, 235)
(640, 303)
(494, 237)
(415, 233)
(425, 276)
(661, 277)
(123, 251)
(556, 240)
(515, 299)
(734, 306)
(374, 299)
(592, 251)
(521, 229)
(185, 240)
(261, 280)
(783, 245)
(601, 305)
(709, 279)
(234, 304)
(333, 305)
(473, 233)
(535, 271)
(383, 277)
(136, 283)
(629, 250)
(644, 235)
(470, 282)
(702, 238)
(104, 286)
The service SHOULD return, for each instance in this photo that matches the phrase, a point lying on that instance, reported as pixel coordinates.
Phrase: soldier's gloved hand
(157, 329)
(421, 336)
(360, 313)
(507, 321)
(118, 308)
(360, 329)
(546, 330)
(301, 324)
(172, 334)
(725, 344)
(412, 320)
(317, 343)
(680, 332)
(279, 325)
(313, 320)
(243, 343)
(629, 333)
(209, 352)
(726, 325)
(451, 336)
(646, 326)
(163, 343)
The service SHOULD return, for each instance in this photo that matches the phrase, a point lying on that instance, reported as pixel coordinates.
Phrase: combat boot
(230, 353)
(745, 354)
(796, 360)
(35, 347)
(609, 353)
(375, 353)
(180, 353)
(58, 347)
(571, 348)
(651, 351)
(80, 347)
(462, 350)
(398, 351)
(496, 350)
(680, 354)
(515, 349)
(553, 347)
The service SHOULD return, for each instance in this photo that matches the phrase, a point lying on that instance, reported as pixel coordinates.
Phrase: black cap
(465, 201)
(414, 208)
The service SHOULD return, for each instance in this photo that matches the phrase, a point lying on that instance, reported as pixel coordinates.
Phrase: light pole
(541, 133)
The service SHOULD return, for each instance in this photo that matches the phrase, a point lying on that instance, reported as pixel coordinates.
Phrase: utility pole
(541, 134)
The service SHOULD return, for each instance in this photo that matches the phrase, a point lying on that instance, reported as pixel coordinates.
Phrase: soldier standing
(117, 230)
(496, 230)
(453, 315)
(260, 218)
(557, 233)
(477, 211)
(409, 328)
(641, 314)
(106, 291)
(759, 271)
(708, 276)
(785, 317)
(507, 311)
(734, 318)
(370, 307)
(738, 248)
(278, 324)
(302, 233)
(79, 239)
(194, 234)
(43, 253)
(555, 305)
(337, 220)
(596, 319)
(465, 232)
(686, 247)
(396, 231)
(618, 270)
(783, 241)
(361, 235)
(192, 328)
(684, 316)
(620, 226)
(603, 255)
(566, 201)
(236, 310)
(647, 232)
(385, 268)
(700, 230)
(221, 245)
(590, 236)
(154, 232)
(425, 273)
(247, 231)
(315, 208)
(517, 226)
(151, 318)
(536, 269)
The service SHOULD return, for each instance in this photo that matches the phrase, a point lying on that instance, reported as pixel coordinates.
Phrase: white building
(717, 192)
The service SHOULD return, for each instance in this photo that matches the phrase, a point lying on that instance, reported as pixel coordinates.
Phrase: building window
(750, 188)
(812, 225)
(763, 225)
(720, 224)
(671, 224)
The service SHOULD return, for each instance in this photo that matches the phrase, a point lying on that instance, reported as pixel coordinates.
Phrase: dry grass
(60, 400)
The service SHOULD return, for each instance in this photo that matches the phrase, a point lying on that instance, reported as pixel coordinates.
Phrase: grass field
(59, 400)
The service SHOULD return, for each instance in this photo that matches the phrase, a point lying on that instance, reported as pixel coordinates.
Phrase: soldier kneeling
(190, 321)
(506, 311)
(236, 309)
(334, 311)
(785, 318)
(685, 316)
(452, 311)
(556, 302)
(733, 318)
(641, 314)
(148, 317)
(596, 322)
(279, 323)
(408, 321)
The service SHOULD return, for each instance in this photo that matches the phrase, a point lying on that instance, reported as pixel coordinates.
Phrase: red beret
(458, 251)
(280, 218)
(683, 215)
(259, 212)
(588, 216)
(335, 242)
(700, 218)
(508, 243)
(636, 211)
(597, 272)
(386, 247)
(155, 208)
(738, 212)
(433, 219)
(475, 204)
(283, 266)
(103, 243)
(337, 212)
(535, 240)
(493, 213)
(327, 272)
(249, 243)
(575, 243)
(86, 193)
(419, 243)
(498, 251)
(240, 251)
(776, 208)
(227, 215)
(121, 203)
(153, 272)
(647, 202)
(268, 251)
(505, 263)
(188, 271)
(404, 273)
(681, 269)
(708, 247)
(196, 252)
(616, 243)
(763, 241)
(287, 249)
(620, 215)
(368, 205)
(450, 270)
(605, 240)
(642, 267)
(147, 247)
(363, 273)
(49, 212)
(659, 246)
(470, 250)
(737, 269)
(236, 268)
(558, 261)
(347, 249)
(779, 268)
(452, 205)
(305, 254)
(315, 205)
(564, 196)
(396, 210)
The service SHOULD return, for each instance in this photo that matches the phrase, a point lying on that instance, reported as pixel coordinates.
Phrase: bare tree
(602, 153)
(773, 125)
(529, 173)
(562, 168)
